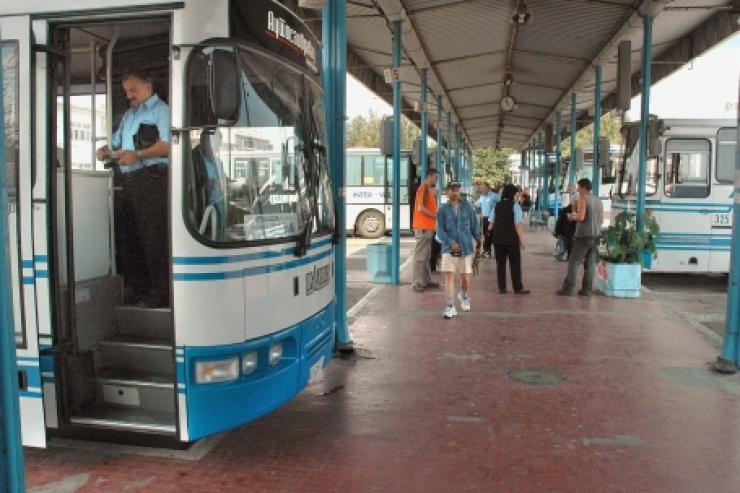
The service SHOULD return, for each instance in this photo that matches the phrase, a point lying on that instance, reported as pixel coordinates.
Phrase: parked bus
(369, 183)
(690, 189)
(240, 77)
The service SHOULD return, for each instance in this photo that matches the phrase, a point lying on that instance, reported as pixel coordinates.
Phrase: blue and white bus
(250, 319)
(369, 183)
(690, 190)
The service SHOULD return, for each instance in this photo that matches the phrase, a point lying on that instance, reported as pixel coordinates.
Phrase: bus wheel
(371, 224)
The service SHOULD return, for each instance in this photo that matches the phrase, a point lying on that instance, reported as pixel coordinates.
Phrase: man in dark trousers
(506, 225)
(140, 150)
(588, 218)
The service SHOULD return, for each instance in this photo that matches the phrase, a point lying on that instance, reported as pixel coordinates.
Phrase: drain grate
(536, 376)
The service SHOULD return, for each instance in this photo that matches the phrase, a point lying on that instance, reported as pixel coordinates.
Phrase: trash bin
(379, 262)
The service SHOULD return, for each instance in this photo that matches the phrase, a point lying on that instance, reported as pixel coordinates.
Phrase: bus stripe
(230, 259)
(250, 271)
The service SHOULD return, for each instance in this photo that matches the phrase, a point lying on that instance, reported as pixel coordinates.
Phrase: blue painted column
(558, 136)
(541, 174)
(573, 131)
(729, 358)
(396, 194)
(11, 448)
(438, 161)
(448, 162)
(458, 159)
(334, 64)
(424, 124)
(596, 172)
(546, 174)
(647, 59)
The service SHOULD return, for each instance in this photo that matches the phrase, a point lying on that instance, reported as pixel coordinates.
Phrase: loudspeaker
(386, 136)
(605, 161)
(548, 138)
(656, 129)
(416, 151)
(624, 75)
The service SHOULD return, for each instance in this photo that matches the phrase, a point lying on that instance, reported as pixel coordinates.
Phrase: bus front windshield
(264, 176)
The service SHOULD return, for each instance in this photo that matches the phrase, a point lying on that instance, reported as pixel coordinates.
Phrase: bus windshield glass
(260, 177)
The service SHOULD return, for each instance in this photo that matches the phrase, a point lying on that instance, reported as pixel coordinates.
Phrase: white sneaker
(464, 302)
(450, 312)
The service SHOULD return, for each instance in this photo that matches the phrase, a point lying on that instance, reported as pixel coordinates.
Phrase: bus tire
(371, 224)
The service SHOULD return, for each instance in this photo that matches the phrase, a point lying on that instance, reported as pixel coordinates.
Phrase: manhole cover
(536, 376)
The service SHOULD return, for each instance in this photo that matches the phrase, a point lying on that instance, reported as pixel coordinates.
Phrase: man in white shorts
(458, 232)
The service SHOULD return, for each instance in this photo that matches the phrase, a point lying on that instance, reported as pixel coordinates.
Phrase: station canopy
(469, 47)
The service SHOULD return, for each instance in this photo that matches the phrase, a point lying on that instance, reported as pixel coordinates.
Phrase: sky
(705, 88)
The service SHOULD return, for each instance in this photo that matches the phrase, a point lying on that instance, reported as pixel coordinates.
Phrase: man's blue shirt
(457, 225)
(487, 202)
(153, 111)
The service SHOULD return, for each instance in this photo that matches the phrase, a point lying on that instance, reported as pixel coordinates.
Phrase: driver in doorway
(140, 150)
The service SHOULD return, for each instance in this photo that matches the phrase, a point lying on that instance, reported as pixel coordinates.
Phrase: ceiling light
(508, 79)
(521, 14)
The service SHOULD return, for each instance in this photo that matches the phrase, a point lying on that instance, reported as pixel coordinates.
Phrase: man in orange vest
(425, 222)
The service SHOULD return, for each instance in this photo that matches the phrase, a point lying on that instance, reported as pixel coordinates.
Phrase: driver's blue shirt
(153, 111)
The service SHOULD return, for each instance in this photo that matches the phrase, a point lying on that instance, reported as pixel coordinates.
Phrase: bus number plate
(722, 220)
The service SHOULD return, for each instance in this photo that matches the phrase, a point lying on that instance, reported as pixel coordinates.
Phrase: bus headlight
(249, 363)
(217, 371)
(276, 353)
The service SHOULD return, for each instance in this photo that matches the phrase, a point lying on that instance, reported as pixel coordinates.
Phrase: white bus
(690, 189)
(369, 183)
(250, 317)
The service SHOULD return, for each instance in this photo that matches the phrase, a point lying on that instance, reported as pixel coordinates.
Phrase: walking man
(458, 231)
(588, 218)
(140, 150)
(425, 219)
(486, 202)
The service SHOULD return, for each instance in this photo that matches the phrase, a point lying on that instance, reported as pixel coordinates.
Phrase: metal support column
(458, 159)
(541, 175)
(334, 61)
(11, 449)
(647, 59)
(424, 124)
(558, 136)
(448, 160)
(729, 358)
(573, 131)
(546, 172)
(396, 194)
(438, 156)
(596, 171)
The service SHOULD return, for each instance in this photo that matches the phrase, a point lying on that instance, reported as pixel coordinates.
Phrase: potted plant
(619, 274)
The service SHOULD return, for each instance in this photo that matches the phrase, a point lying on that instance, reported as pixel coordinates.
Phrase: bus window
(687, 168)
(726, 145)
(353, 175)
(404, 180)
(374, 171)
(10, 105)
(254, 203)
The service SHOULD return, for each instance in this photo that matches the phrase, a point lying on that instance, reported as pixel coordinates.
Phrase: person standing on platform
(140, 150)
(507, 231)
(458, 230)
(487, 201)
(425, 219)
(588, 217)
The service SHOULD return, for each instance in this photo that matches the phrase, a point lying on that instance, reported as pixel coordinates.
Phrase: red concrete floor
(427, 406)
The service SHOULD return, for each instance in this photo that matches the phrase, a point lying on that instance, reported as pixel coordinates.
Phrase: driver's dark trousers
(145, 231)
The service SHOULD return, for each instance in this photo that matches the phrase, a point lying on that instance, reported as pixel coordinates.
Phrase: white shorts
(458, 265)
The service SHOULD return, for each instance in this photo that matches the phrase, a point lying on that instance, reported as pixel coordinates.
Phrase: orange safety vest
(425, 195)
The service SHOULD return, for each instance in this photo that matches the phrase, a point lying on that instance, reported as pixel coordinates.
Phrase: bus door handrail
(212, 214)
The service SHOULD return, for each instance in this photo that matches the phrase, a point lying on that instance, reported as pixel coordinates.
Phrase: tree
(364, 131)
(492, 165)
(610, 126)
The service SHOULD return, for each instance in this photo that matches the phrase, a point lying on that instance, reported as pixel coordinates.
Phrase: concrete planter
(619, 280)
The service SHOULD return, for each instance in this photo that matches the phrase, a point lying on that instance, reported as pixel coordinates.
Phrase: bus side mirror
(224, 85)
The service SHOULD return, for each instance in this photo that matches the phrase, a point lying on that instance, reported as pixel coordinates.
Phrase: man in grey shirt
(588, 217)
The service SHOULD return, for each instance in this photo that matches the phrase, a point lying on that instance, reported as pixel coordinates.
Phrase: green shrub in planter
(620, 272)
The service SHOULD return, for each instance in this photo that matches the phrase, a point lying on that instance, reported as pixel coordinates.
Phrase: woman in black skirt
(506, 221)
